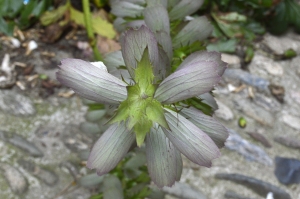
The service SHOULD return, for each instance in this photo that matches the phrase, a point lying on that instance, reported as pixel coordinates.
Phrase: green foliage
(23, 15)
(286, 13)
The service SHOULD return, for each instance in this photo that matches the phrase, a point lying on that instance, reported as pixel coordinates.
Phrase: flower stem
(89, 29)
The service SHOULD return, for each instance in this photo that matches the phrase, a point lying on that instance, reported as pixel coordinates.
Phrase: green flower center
(141, 109)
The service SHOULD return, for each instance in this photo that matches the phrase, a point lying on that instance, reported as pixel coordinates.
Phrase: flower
(147, 108)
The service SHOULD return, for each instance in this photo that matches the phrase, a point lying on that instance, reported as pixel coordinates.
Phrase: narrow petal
(190, 140)
(196, 30)
(184, 8)
(209, 99)
(114, 60)
(172, 3)
(135, 24)
(195, 79)
(215, 130)
(163, 159)
(157, 19)
(134, 43)
(204, 56)
(115, 65)
(91, 82)
(110, 148)
(126, 9)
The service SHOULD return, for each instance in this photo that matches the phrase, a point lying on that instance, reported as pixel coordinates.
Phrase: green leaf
(6, 27)
(290, 53)
(198, 104)
(227, 46)
(9, 8)
(249, 54)
(50, 17)
(100, 26)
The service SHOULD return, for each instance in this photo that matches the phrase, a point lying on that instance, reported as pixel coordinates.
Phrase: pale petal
(135, 24)
(134, 43)
(172, 3)
(114, 60)
(157, 19)
(91, 82)
(204, 56)
(209, 99)
(215, 130)
(120, 24)
(190, 140)
(110, 148)
(184, 8)
(157, 2)
(163, 159)
(196, 30)
(126, 9)
(190, 81)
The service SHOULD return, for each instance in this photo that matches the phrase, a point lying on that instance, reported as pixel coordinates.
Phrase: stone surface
(287, 170)
(263, 66)
(183, 190)
(260, 187)
(280, 44)
(249, 151)
(291, 121)
(232, 195)
(14, 103)
(268, 103)
(232, 60)
(14, 178)
(223, 112)
(259, 137)
(260, 115)
(47, 176)
(247, 78)
(288, 141)
(24, 145)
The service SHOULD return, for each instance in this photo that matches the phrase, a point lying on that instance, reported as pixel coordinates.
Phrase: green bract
(140, 109)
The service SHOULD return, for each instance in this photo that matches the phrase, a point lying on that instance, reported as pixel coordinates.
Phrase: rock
(7, 73)
(71, 168)
(289, 142)
(14, 103)
(260, 187)
(260, 115)
(15, 178)
(247, 78)
(295, 95)
(182, 190)
(25, 145)
(294, 65)
(232, 195)
(47, 176)
(232, 60)
(269, 104)
(223, 111)
(287, 170)
(259, 137)
(277, 92)
(250, 151)
(291, 121)
(280, 44)
(261, 64)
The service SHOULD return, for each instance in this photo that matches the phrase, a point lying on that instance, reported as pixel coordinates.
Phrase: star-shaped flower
(148, 109)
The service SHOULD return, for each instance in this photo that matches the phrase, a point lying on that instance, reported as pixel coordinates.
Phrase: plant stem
(89, 29)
